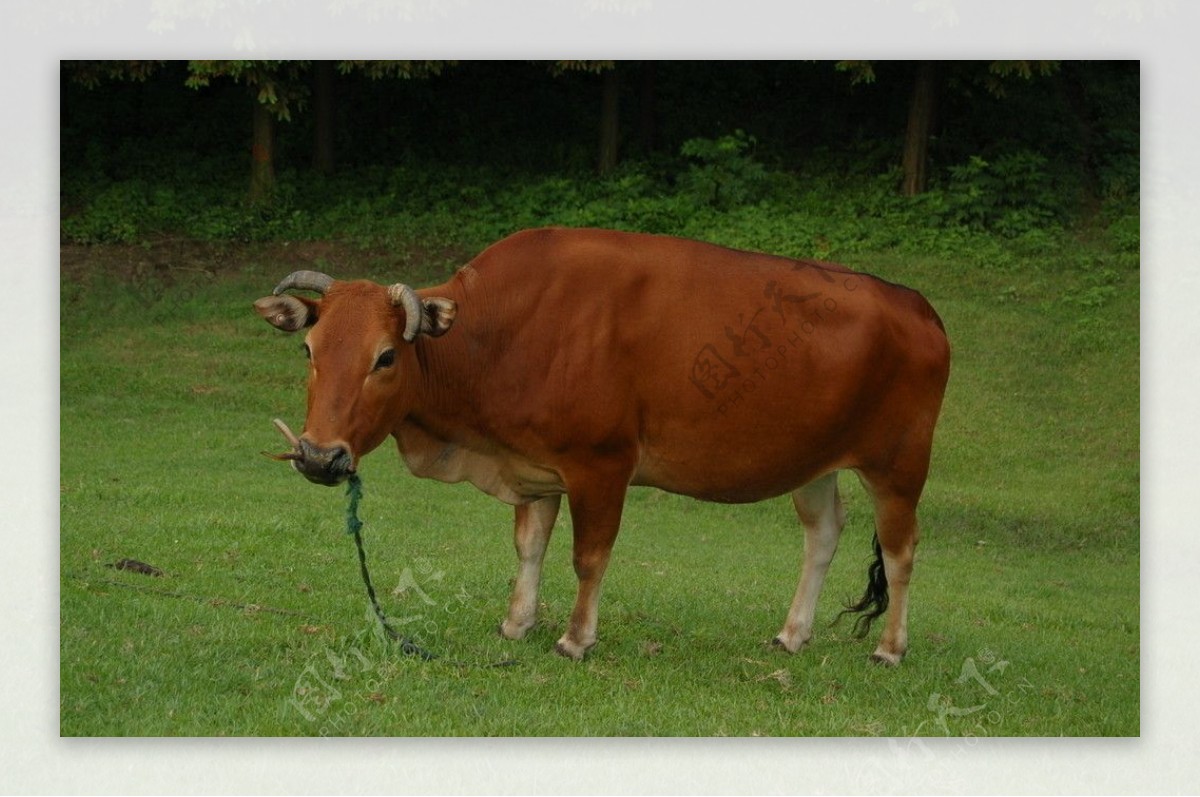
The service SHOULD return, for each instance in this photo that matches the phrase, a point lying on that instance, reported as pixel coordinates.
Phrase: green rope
(354, 493)
(354, 527)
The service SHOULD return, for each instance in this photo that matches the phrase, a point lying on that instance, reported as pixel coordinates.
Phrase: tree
(921, 110)
(648, 107)
(610, 107)
(276, 87)
(324, 85)
(91, 74)
(610, 122)
(324, 75)
(928, 83)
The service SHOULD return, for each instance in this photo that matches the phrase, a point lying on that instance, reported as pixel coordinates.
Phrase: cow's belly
(502, 474)
(742, 467)
(726, 482)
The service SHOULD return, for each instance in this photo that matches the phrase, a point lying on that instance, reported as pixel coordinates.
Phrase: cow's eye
(307, 351)
(386, 360)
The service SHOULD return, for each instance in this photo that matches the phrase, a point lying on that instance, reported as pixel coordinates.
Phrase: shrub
(1010, 194)
(1124, 232)
(721, 172)
(116, 215)
(715, 190)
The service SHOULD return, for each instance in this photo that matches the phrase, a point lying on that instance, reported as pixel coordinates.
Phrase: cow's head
(362, 366)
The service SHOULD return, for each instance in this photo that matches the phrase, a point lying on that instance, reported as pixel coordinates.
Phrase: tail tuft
(874, 601)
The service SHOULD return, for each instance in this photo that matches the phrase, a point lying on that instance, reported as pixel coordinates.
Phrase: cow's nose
(324, 465)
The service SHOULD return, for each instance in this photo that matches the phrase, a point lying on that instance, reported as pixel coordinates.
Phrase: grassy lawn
(1024, 610)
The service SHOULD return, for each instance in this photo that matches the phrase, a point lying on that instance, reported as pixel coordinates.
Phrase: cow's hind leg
(898, 535)
(820, 509)
(896, 540)
(531, 534)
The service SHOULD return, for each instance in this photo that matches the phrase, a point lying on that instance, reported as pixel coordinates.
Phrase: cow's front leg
(596, 517)
(531, 534)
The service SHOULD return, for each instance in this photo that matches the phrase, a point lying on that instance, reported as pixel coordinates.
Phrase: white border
(37, 34)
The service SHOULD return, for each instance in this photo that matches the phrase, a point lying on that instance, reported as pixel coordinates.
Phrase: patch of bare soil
(167, 260)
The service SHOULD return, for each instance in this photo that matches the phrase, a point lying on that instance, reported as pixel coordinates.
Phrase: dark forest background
(856, 154)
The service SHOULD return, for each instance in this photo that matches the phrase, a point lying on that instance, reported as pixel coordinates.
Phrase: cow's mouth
(327, 466)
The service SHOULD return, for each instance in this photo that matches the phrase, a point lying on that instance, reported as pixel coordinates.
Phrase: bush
(722, 173)
(117, 215)
(1124, 233)
(1011, 195)
(987, 213)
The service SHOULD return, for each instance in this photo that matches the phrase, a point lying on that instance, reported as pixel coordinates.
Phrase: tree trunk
(1071, 88)
(323, 117)
(609, 122)
(262, 152)
(921, 112)
(647, 122)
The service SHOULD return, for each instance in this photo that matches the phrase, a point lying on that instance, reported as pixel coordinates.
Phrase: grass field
(1024, 612)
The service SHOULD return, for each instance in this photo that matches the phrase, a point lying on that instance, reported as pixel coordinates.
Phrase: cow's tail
(874, 601)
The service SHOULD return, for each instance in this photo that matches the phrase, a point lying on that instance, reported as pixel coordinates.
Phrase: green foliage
(558, 68)
(837, 201)
(719, 186)
(859, 71)
(1010, 194)
(1125, 233)
(377, 70)
(722, 172)
(279, 85)
(1000, 72)
(116, 214)
(134, 211)
(92, 74)
(1038, 155)
(994, 76)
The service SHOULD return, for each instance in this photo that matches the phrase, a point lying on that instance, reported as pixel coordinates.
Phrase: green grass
(1024, 612)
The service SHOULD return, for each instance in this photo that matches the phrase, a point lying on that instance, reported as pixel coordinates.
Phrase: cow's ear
(288, 313)
(439, 316)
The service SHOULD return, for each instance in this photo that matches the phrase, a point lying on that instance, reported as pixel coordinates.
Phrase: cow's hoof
(779, 642)
(885, 659)
(514, 631)
(571, 650)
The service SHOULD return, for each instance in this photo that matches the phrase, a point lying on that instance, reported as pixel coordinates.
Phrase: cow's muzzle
(328, 466)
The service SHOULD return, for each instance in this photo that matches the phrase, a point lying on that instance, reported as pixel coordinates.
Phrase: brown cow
(581, 362)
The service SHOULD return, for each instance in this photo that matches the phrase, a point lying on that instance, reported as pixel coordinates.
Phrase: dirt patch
(167, 260)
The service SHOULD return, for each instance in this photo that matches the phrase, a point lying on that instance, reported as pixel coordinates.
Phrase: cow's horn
(406, 297)
(305, 281)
